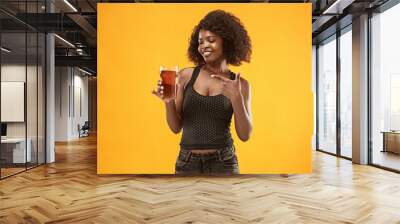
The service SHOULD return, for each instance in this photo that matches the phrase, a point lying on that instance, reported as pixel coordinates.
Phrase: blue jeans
(223, 161)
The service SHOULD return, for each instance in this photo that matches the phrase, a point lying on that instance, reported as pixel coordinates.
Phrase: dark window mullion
(37, 90)
(316, 97)
(369, 90)
(26, 87)
(338, 91)
(44, 77)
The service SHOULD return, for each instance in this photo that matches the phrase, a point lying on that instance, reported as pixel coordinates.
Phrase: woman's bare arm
(174, 108)
(238, 91)
(242, 112)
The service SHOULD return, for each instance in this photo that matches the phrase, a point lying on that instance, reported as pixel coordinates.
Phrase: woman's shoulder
(184, 75)
(186, 71)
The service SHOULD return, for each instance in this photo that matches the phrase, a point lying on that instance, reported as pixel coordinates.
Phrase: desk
(391, 141)
(15, 148)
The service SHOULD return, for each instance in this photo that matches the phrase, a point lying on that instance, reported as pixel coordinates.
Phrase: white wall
(80, 84)
(12, 73)
(71, 94)
(62, 81)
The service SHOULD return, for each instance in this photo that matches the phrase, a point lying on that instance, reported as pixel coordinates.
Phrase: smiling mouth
(206, 53)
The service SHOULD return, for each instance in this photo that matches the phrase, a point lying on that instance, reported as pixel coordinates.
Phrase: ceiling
(76, 22)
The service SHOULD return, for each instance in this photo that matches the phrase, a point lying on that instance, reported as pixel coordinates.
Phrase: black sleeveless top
(206, 119)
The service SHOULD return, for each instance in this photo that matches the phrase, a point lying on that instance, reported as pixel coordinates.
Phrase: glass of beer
(168, 81)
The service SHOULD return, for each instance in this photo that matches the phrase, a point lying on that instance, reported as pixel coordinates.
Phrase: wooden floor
(5, 172)
(69, 191)
(387, 159)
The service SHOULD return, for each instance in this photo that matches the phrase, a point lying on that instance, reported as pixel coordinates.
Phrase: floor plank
(70, 191)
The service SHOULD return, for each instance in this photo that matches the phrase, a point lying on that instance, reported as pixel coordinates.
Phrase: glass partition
(327, 95)
(22, 88)
(346, 93)
(32, 95)
(14, 145)
(385, 89)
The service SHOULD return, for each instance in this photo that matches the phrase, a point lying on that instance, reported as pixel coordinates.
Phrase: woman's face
(210, 46)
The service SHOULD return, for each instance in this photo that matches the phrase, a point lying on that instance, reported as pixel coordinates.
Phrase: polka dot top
(206, 119)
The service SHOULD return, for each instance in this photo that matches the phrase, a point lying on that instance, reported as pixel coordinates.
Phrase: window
(385, 88)
(346, 93)
(327, 95)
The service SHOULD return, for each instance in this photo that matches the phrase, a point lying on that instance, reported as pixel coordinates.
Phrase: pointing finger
(220, 78)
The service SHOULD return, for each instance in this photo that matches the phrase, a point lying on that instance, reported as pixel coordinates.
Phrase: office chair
(84, 130)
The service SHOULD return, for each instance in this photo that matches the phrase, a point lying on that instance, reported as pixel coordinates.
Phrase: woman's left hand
(230, 88)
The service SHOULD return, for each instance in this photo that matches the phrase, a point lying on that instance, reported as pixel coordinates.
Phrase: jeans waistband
(221, 153)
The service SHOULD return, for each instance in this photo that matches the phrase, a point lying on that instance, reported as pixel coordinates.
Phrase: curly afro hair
(236, 41)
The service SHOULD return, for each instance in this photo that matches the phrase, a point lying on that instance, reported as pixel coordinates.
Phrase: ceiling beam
(337, 6)
(86, 26)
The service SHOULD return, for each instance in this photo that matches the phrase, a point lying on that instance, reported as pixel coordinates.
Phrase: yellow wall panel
(135, 39)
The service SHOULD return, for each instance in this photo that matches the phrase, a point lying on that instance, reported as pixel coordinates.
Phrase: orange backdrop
(135, 39)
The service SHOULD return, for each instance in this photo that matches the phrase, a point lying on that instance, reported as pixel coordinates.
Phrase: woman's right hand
(160, 92)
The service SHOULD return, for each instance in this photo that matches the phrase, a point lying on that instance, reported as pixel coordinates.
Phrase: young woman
(209, 94)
